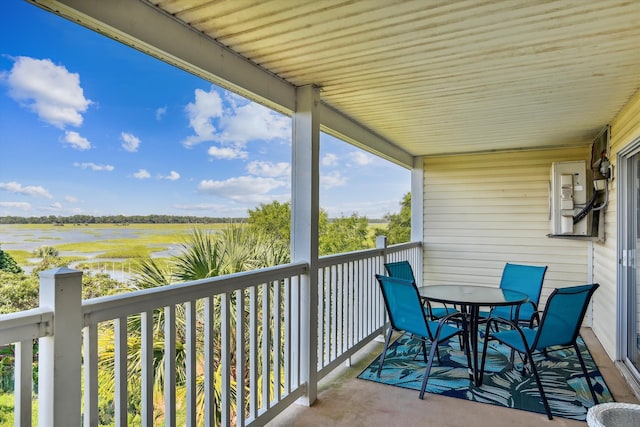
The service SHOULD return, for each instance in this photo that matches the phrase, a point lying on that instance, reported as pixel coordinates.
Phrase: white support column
(417, 208)
(60, 355)
(305, 208)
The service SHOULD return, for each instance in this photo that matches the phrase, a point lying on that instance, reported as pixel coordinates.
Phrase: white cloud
(49, 90)
(329, 160)
(56, 205)
(161, 112)
(29, 190)
(253, 122)
(71, 199)
(207, 106)
(94, 166)
(173, 176)
(130, 142)
(242, 122)
(334, 179)
(24, 206)
(269, 169)
(242, 188)
(76, 141)
(227, 153)
(142, 174)
(360, 158)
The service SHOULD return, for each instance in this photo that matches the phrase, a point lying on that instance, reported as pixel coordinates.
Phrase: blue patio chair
(403, 270)
(527, 279)
(406, 315)
(558, 328)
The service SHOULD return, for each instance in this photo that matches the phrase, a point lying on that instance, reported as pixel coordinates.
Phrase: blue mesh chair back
(402, 300)
(400, 269)
(527, 279)
(563, 316)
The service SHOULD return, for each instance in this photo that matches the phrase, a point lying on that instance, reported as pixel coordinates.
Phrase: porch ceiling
(431, 77)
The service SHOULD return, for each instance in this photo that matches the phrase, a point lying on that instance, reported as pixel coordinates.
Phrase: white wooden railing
(210, 363)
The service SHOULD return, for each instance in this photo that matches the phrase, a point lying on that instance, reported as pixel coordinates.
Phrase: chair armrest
(535, 318)
(499, 320)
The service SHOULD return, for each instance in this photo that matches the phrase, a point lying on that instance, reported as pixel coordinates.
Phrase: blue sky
(90, 126)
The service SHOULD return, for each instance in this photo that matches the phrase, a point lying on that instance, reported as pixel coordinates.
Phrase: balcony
(285, 330)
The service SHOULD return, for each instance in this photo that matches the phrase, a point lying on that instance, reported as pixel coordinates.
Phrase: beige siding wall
(481, 211)
(625, 128)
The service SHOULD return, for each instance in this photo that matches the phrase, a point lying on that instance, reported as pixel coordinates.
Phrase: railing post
(381, 243)
(60, 355)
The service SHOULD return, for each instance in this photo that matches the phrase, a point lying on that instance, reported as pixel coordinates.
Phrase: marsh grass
(145, 240)
(21, 257)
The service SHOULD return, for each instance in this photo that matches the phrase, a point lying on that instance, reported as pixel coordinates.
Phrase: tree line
(119, 219)
(130, 219)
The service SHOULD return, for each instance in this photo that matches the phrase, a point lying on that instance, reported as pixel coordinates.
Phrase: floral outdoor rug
(562, 379)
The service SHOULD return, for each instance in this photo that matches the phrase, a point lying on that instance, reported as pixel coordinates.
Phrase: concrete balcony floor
(344, 400)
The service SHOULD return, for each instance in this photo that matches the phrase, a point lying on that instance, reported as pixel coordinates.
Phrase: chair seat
(512, 338)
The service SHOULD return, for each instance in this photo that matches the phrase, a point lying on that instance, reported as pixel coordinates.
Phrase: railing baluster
(225, 359)
(170, 366)
(327, 319)
(240, 397)
(253, 352)
(23, 385)
(120, 364)
(340, 306)
(266, 371)
(146, 356)
(333, 303)
(321, 335)
(209, 367)
(90, 368)
(277, 341)
(297, 324)
(288, 283)
(190, 368)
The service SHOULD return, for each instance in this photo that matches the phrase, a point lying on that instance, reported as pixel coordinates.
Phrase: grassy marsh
(86, 242)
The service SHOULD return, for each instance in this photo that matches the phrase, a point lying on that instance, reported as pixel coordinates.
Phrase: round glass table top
(472, 295)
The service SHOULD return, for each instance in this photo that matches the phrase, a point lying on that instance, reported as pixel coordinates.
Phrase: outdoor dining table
(469, 299)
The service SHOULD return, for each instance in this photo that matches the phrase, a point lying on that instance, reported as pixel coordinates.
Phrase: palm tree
(203, 255)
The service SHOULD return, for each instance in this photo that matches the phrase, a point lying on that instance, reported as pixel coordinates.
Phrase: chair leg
(484, 351)
(539, 382)
(586, 374)
(432, 352)
(384, 352)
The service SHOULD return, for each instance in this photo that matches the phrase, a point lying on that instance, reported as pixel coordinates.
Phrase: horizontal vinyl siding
(625, 128)
(481, 211)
